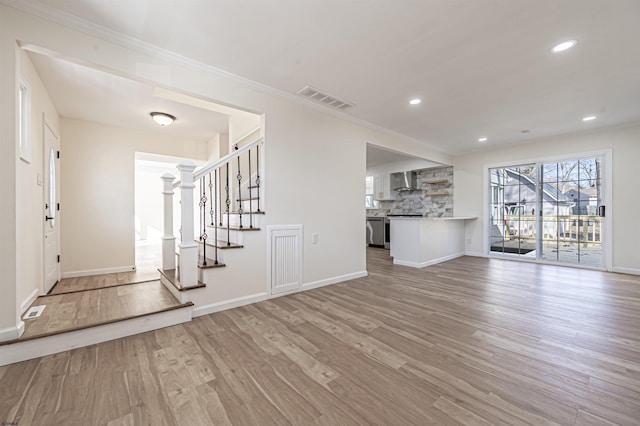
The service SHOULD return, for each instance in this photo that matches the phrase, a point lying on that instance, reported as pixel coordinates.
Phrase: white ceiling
(482, 67)
(86, 93)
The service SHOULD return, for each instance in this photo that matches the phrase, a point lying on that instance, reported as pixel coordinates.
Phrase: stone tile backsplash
(431, 199)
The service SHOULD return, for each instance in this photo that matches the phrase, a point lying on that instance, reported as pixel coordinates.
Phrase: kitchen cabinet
(382, 188)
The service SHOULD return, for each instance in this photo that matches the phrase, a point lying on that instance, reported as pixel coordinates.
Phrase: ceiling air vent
(323, 98)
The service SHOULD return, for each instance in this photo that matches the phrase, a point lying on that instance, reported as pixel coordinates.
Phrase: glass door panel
(572, 229)
(548, 211)
(513, 201)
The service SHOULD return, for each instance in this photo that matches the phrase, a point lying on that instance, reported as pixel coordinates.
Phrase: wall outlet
(314, 238)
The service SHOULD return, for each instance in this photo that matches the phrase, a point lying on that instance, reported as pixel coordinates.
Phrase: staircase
(226, 198)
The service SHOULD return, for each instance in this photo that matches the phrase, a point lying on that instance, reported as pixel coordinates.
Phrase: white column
(168, 239)
(188, 246)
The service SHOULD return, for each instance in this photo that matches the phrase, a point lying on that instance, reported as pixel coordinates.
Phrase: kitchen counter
(433, 218)
(424, 241)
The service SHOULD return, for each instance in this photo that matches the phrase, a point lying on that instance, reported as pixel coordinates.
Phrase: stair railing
(219, 196)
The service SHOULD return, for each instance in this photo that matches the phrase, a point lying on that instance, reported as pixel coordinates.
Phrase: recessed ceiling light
(162, 118)
(415, 101)
(589, 118)
(564, 46)
(482, 140)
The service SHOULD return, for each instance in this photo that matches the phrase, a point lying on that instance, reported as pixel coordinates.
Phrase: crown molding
(82, 25)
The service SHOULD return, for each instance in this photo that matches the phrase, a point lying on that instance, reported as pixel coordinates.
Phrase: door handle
(48, 218)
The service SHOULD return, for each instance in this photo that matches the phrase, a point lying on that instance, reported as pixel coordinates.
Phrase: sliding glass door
(572, 215)
(550, 211)
(513, 205)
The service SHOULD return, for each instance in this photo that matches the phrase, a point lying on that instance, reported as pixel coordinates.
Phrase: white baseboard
(11, 333)
(28, 301)
(428, 263)
(89, 272)
(229, 304)
(35, 348)
(630, 271)
(259, 297)
(334, 280)
(475, 254)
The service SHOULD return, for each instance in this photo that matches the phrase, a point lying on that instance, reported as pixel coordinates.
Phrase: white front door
(51, 214)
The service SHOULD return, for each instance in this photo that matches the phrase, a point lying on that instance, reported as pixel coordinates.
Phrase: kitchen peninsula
(424, 241)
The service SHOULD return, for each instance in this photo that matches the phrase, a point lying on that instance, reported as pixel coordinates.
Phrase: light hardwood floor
(471, 341)
(147, 264)
(82, 309)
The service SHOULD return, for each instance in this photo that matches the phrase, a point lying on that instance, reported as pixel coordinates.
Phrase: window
(370, 203)
(24, 120)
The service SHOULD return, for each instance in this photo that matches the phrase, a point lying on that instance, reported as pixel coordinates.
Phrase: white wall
(148, 204)
(9, 156)
(97, 168)
(314, 169)
(241, 124)
(30, 212)
(625, 145)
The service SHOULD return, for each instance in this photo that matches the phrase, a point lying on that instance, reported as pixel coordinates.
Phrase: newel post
(188, 247)
(168, 239)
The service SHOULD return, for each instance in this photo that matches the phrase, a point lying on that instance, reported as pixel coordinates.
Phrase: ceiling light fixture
(589, 118)
(415, 101)
(162, 118)
(482, 140)
(564, 46)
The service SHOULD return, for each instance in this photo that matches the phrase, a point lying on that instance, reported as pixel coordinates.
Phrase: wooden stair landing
(83, 318)
(70, 285)
(88, 308)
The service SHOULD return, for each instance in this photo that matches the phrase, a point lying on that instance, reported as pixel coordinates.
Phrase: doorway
(149, 208)
(551, 211)
(51, 174)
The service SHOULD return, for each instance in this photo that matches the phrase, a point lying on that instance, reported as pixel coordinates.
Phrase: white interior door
(51, 218)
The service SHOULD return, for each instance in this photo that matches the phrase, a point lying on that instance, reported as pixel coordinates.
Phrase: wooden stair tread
(247, 213)
(223, 245)
(174, 278)
(210, 264)
(235, 228)
(97, 324)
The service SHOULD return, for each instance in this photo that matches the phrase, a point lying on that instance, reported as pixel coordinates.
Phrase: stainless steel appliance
(387, 233)
(404, 181)
(375, 231)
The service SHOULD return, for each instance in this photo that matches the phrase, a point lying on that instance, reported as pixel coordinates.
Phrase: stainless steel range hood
(404, 181)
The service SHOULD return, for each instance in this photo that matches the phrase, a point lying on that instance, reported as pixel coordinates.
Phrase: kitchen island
(424, 241)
